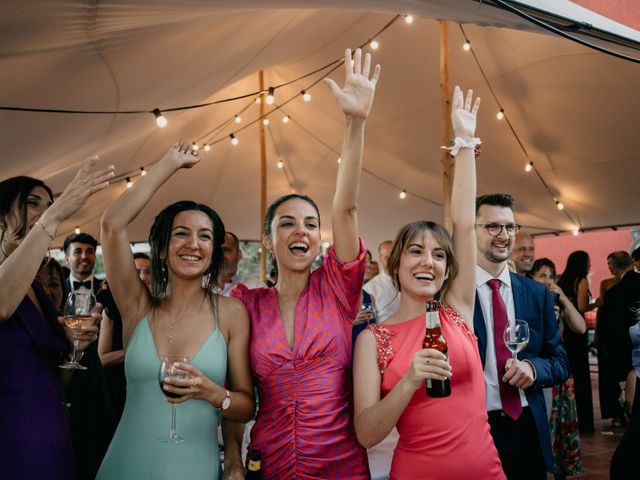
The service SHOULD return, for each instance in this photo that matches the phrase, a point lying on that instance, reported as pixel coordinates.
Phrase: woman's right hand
(182, 155)
(427, 363)
(86, 183)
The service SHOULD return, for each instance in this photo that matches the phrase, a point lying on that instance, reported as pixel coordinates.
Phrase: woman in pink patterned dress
(301, 328)
(440, 438)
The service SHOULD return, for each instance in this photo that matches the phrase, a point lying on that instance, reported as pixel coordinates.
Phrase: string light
(280, 163)
(466, 46)
(195, 146)
(500, 114)
(403, 194)
(559, 204)
(575, 231)
(265, 121)
(77, 230)
(270, 98)
(258, 100)
(129, 182)
(207, 147)
(408, 19)
(305, 96)
(237, 119)
(160, 120)
(234, 140)
(285, 119)
(143, 172)
(339, 160)
(374, 44)
(528, 167)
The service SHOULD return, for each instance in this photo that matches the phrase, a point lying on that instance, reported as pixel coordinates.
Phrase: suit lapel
(518, 294)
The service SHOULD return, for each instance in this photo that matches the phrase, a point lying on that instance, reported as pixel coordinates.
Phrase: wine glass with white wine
(77, 314)
(516, 336)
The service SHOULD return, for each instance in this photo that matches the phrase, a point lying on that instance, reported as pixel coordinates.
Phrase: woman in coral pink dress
(300, 342)
(440, 438)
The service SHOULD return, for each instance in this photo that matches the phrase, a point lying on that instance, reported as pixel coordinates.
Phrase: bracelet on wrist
(52, 237)
(455, 145)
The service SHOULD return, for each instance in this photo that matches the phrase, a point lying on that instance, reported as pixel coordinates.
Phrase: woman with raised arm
(179, 317)
(440, 438)
(34, 433)
(301, 327)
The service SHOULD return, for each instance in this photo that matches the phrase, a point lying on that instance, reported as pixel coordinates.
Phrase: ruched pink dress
(304, 428)
(440, 438)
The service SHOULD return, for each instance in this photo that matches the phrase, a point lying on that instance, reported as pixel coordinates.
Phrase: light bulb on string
(234, 140)
(305, 96)
(339, 160)
(408, 19)
(374, 44)
(559, 204)
(77, 230)
(270, 96)
(280, 164)
(195, 147)
(285, 119)
(143, 172)
(403, 194)
(258, 100)
(575, 231)
(265, 121)
(160, 120)
(528, 167)
(466, 46)
(237, 119)
(207, 147)
(500, 114)
(129, 182)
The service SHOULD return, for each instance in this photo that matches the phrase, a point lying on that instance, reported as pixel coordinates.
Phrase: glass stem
(172, 433)
(76, 345)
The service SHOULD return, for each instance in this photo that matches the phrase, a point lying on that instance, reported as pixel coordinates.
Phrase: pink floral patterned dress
(304, 428)
(440, 438)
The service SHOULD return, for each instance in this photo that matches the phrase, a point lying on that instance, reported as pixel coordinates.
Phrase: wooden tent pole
(263, 178)
(446, 131)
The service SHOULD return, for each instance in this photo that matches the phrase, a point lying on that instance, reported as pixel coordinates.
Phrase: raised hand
(463, 117)
(356, 97)
(86, 183)
(182, 154)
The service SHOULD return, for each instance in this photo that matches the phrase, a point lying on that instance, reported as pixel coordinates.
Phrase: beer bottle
(433, 338)
(253, 469)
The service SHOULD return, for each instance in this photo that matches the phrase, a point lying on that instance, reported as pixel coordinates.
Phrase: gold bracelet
(45, 230)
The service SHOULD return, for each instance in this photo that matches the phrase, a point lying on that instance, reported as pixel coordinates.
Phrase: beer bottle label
(433, 319)
(254, 465)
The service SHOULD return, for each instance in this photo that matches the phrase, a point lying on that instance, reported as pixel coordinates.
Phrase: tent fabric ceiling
(575, 110)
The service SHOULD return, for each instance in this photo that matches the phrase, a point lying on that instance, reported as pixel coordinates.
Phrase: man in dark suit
(515, 403)
(80, 253)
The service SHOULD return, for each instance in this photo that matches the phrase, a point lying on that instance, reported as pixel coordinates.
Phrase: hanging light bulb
(77, 230)
(500, 114)
(160, 120)
(265, 121)
(143, 172)
(258, 100)
(559, 204)
(195, 146)
(129, 182)
(403, 194)
(270, 96)
(237, 119)
(408, 19)
(207, 147)
(374, 44)
(466, 46)
(305, 96)
(234, 140)
(528, 167)
(285, 119)
(575, 231)
(280, 163)
(339, 160)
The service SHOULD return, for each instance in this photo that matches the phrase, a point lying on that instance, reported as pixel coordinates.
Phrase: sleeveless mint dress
(136, 453)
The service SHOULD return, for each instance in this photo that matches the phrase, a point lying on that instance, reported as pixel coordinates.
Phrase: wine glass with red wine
(77, 314)
(167, 369)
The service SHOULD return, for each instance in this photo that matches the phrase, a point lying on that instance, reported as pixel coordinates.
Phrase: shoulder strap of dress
(215, 311)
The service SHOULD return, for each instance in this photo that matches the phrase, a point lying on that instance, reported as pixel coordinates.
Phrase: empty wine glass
(167, 369)
(77, 313)
(516, 336)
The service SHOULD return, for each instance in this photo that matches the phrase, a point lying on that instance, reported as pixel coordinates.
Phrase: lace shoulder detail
(383, 345)
(455, 318)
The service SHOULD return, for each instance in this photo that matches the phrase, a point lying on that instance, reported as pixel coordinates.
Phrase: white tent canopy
(576, 111)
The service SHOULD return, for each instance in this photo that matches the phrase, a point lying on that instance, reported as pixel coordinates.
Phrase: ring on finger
(428, 361)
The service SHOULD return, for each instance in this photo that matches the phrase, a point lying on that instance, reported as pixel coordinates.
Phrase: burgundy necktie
(509, 395)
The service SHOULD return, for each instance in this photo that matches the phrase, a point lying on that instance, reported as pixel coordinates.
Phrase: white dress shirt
(491, 377)
(387, 297)
(249, 282)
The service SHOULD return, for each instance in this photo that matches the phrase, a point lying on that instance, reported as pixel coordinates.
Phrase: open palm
(463, 117)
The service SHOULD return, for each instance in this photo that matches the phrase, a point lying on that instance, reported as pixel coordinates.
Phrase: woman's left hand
(463, 117)
(196, 386)
(356, 97)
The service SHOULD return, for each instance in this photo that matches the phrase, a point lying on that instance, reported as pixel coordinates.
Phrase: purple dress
(34, 433)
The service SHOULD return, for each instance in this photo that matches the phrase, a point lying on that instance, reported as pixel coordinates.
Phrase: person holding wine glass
(439, 438)
(35, 433)
(178, 316)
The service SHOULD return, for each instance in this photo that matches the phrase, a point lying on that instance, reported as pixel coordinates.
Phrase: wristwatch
(226, 402)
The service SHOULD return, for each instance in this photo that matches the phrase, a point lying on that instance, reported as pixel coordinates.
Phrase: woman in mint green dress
(181, 317)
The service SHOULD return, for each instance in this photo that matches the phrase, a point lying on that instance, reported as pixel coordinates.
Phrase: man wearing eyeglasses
(515, 403)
